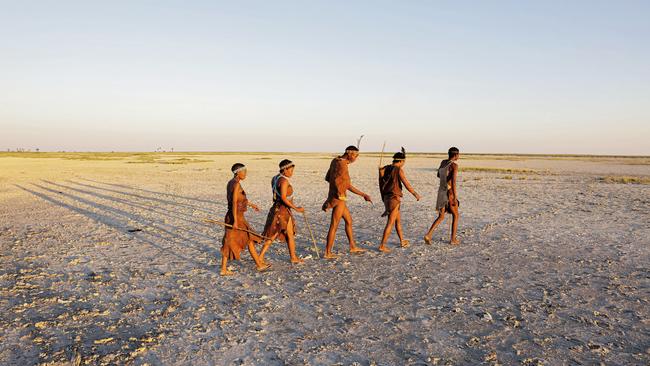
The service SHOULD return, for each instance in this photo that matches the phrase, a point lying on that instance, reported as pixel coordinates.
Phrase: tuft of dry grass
(500, 170)
(624, 179)
(150, 159)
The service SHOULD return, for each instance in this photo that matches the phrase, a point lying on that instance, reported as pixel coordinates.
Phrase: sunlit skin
(291, 240)
(340, 211)
(453, 205)
(261, 266)
(395, 216)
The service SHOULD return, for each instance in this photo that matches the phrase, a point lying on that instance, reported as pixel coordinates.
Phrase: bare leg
(454, 226)
(398, 229)
(260, 265)
(392, 219)
(348, 231)
(266, 246)
(224, 266)
(337, 213)
(441, 216)
(291, 243)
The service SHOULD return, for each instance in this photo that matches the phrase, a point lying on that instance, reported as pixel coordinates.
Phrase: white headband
(286, 166)
(242, 168)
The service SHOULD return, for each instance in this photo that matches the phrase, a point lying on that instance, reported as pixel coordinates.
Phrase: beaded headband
(287, 166)
(239, 170)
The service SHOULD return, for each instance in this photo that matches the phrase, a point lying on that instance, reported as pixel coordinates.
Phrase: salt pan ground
(105, 259)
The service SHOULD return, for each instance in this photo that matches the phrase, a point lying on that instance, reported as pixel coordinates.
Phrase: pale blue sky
(487, 76)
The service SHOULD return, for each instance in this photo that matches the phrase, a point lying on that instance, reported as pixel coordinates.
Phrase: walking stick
(312, 234)
(211, 221)
(381, 157)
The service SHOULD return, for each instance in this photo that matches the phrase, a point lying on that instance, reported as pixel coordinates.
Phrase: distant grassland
(143, 157)
(624, 179)
(130, 158)
(500, 170)
(153, 159)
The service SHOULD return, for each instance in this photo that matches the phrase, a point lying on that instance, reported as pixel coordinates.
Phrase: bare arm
(454, 178)
(253, 206)
(235, 207)
(356, 191)
(402, 177)
(284, 187)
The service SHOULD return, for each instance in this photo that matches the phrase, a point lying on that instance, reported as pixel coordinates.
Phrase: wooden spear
(304, 214)
(211, 221)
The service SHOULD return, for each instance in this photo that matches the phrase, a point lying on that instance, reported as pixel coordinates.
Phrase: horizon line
(322, 152)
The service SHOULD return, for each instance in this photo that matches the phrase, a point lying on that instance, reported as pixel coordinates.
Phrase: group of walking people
(280, 223)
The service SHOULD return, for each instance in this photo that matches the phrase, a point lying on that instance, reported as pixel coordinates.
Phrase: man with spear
(339, 181)
(391, 179)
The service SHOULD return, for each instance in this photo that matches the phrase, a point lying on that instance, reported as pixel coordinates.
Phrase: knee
(335, 224)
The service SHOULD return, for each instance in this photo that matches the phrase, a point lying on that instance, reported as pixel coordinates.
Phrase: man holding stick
(338, 178)
(391, 179)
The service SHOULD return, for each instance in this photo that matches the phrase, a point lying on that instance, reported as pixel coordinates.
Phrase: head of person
(239, 170)
(286, 167)
(454, 153)
(351, 153)
(399, 159)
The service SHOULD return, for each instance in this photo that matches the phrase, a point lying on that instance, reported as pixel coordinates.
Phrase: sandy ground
(553, 268)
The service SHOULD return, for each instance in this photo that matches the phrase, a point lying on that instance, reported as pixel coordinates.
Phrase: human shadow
(148, 197)
(118, 219)
(219, 212)
(175, 196)
(165, 213)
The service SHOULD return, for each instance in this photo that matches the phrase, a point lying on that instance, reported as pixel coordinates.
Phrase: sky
(487, 76)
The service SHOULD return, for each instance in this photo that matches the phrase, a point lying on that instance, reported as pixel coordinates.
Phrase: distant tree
(38, 150)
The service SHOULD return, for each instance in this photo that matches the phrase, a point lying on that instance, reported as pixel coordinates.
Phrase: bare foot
(330, 256)
(427, 240)
(227, 273)
(454, 241)
(263, 267)
(383, 248)
(405, 243)
(297, 260)
(357, 250)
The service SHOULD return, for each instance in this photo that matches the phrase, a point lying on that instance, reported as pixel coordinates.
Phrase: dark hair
(236, 166)
(351, 148)
(286, 162)
(397, 157)
(453, 151)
